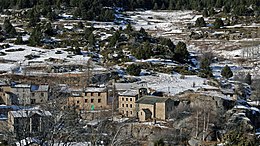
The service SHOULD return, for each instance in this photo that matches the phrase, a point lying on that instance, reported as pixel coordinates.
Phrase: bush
(184, 70)
(226, 72)
(200, 22)
(134, 69)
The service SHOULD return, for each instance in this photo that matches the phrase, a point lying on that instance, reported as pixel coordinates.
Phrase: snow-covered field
(18, 57)
(163, 23)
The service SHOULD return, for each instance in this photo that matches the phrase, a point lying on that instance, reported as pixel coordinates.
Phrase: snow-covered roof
(22, 86)
(40, 88)
(127, 86)
(129, 93)
(29, 113)
(27, 141)
(95, 89)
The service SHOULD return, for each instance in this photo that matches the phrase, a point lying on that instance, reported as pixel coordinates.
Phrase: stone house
(90, 99)
(154, 108)
(27, 94)
(39, 94)
(6, 96)
(127, 99)
(30, 121)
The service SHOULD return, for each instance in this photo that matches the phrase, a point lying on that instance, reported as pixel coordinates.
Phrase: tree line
(238, 7)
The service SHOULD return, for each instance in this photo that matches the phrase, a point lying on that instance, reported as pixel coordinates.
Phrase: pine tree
(200, 22)
(205, 70)
(19, 40)
(163, 7)
(226, 72)
(36, 36)
(155, 7)
(91, 40)
(205, 13)
(248, 79)
(134, 69)
(218, 23)
(171, 6)
(181, 52)
(8, 28)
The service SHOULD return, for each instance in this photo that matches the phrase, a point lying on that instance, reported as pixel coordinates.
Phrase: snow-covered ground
(163, 23)
(18, 57)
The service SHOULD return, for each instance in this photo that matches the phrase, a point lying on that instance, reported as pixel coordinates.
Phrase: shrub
(134, 69)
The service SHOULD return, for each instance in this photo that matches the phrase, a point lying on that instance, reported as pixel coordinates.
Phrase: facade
(154, 108)
(39, 94)
(6, 97)
(92, 98)
(28, 121)
(127, 99)
(26, 94)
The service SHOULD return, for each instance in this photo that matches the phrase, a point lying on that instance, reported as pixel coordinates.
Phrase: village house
(154, 108)
(127, 99)
(30, 121)
(91, 98)
(6, 97)
(27, 94)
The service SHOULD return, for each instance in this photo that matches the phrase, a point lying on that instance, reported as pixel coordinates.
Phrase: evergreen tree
(77, 51)
(181, 52)
(218, 23)
(48, 30)
(205, 13)
(129, 28)
(143, 32)
(91, 40)
(200, 22)
(114, 39)
(171, 5)
(211, 11)
(226, 72)
(19, 40)
(248, 79)
(8, 28)
(205, 70)
(160, 142)
(163, 7)
(134, 69)
(36, 36)
(155, 7)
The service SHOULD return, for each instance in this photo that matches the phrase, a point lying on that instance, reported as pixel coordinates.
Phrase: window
(122, 99)
(42, 94)
(99, 94)
(86, 100)
(130, 99)
(122, 105)
(126, 99)
(86, 94)
(92, 100)
(33, 101)
(99, 100)
(77, 102)
(130, 105)
(126, 105)
(33, 94)
(92, 94)
(131, 112)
